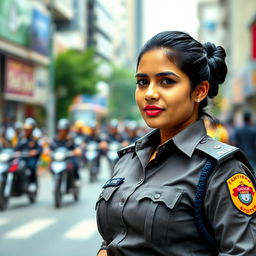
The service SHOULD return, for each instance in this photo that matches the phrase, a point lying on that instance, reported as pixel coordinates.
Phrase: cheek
(138, 98)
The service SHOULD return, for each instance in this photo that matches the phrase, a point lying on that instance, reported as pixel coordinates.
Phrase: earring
(198, 100)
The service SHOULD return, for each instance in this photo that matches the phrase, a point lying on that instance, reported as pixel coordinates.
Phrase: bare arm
(103, 249)
(102, 253)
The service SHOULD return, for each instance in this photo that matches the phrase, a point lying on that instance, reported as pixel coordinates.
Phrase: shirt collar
(186, 140)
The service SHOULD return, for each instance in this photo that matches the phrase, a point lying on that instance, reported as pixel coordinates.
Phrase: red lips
(152, 110)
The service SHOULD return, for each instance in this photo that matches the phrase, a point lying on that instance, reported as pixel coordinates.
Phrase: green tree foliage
(75, 73)
(121, 95)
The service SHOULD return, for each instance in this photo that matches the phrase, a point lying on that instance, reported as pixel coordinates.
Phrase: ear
(201, 91)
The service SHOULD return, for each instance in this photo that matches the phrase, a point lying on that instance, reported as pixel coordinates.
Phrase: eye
(142, 82)
(168, 81)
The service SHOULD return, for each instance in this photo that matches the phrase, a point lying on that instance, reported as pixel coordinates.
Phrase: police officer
(28, 143)
(177, 191)
(63, 139)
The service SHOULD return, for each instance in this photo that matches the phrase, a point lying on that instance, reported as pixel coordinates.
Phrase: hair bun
(214, 51)
(218, 69)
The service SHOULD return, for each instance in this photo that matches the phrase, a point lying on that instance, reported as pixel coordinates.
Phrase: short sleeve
(230, 208)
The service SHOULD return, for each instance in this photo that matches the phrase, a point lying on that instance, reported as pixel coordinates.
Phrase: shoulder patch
(242, 193)
(125, 150)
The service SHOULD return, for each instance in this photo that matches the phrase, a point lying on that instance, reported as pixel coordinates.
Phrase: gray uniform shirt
(148, 208)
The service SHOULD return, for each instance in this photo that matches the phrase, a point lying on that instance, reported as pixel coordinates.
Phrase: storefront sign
(19, 78)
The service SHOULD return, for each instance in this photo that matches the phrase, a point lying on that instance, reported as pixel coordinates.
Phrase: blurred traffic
(25, 152)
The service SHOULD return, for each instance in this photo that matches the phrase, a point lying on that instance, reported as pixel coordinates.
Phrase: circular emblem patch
(242, 193)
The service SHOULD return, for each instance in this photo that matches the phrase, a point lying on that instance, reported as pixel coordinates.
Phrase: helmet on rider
(29, 123)
(63, 124)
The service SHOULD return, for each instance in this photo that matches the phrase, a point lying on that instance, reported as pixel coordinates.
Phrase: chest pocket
(161, 205)
(102, 211)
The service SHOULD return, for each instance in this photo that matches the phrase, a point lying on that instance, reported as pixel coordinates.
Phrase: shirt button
(157, 196)
(140, 181)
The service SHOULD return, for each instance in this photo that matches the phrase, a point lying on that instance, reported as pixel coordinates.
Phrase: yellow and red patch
(242, 192)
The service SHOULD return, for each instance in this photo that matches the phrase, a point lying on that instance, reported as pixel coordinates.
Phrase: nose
(152, 92)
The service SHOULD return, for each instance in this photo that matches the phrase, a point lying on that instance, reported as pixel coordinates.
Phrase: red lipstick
(152, 110)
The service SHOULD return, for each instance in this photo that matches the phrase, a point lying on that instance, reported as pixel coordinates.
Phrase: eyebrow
(167, 73)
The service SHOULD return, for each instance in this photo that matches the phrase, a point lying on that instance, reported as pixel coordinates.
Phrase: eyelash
(169, 81)
(164, 81)
(139, 81)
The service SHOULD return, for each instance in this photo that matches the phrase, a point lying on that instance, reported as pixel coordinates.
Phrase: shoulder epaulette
(220, 151)
(125, 150)
(216, 149)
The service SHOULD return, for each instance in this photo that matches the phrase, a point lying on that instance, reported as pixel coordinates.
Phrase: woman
(177, 191)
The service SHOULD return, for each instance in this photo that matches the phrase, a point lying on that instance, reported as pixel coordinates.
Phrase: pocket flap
(167, 195)
(107, 193)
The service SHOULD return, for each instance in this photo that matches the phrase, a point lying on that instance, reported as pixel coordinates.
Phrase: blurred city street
(69, 75)
(40, 229)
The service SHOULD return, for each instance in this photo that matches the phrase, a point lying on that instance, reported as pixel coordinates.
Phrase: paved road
(42, 230)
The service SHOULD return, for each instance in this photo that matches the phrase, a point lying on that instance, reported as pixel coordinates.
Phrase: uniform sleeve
(230, 208)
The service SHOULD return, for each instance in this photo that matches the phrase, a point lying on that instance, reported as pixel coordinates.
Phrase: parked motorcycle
(112, 155)
(63, 172)
(14, 177)
(92, 155)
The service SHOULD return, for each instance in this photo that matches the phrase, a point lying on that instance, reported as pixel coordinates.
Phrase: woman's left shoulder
(221, 152)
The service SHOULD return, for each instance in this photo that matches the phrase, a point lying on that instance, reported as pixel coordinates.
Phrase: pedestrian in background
(245, 138)
(177, 191)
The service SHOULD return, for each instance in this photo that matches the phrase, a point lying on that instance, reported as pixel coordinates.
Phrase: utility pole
(50, 105)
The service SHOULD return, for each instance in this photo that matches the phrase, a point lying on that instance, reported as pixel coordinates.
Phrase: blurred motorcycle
(62, 169)
(112, 155)
(92, 156)
(14, 177)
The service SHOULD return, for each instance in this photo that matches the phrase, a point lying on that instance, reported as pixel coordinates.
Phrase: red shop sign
(19, 78)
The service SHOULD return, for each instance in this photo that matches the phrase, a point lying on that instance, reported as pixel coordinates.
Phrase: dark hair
(247, 117)
(199, 62)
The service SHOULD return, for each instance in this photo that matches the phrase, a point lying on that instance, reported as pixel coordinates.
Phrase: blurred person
(177, 191)
(28, 143)
(113, 140)
(230, 126)
(95, 148)
(4, 143)
(113, 130)
(131, 133)
(63, 139)
(245, 138)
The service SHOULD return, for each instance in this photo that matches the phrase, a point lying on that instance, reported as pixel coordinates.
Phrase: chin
(152, 123)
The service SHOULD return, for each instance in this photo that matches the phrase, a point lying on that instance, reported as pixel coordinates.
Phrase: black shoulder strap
(205, 233)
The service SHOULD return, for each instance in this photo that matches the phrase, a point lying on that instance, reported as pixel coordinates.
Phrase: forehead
(156, 60)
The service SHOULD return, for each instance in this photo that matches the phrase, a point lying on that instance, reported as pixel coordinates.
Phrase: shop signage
(19, 78)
